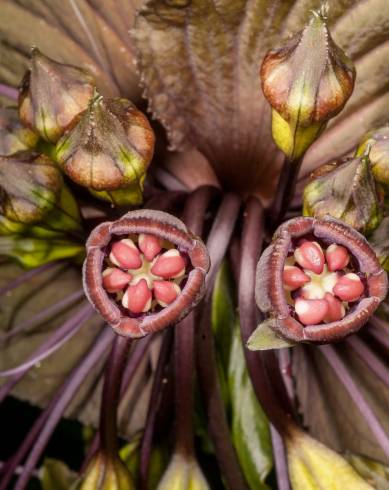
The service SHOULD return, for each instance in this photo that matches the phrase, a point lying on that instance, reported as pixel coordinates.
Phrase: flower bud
(347, 192)
(30, 186)
(376, 145)
(306, 82)
(127, 196)
(183, 473)
(165, 265)
(110, 147)
(14, 137)
(331, 304)
(105, 473)
(52, 95)
(312, 465)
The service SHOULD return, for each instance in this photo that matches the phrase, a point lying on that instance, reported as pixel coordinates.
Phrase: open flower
(319, 280)
(144, 271)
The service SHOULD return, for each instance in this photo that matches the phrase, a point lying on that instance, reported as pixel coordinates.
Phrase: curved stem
(110, 397)
(8, 91)
(280, 461)
(217, 244)
(44, 426)
(26, 276)
(252, 237)
(155, 397)
(369, 358)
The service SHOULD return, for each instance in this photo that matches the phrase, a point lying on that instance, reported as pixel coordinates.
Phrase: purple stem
(155, 398)
(44, 426)
(136, 356)
(71, 325)
(286, 372)
(78, 319)
(369, 358)
(217, 244)
(378, 329)
(111, 394)
(169, 181)
(8, 91)
(42, 315)
(340, 370)
(26, 276)
(280, 462)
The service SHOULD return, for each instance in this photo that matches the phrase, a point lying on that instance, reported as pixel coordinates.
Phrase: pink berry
(125, 254)
(311, 311)
(337, 257)
(166, 292)
(336, 310)
(169, 265)
(294, 277)
(137, 298)
(150, 246)
(348, 287)
(309, 255)
(115, 279)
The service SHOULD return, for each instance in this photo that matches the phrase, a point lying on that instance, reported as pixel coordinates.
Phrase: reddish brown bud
(153, 299)
(115, 279)
(337, 257)
(312, 313)
(310, 256)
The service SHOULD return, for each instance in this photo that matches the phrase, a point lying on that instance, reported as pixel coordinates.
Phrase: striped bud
(337, 257)
(166, 292)
(169, 265)
(115, 279)
(311, 311)
(150, 245)
(336, 310)
(137, 298)
(294, 277)
(125, 254)
(310, 256)
(349, 287)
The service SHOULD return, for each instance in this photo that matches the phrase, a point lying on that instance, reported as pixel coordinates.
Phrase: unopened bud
(376, 145)
(115, 279)
(336, 310)
(165, 292)
(150, 246)
(183, 473)
(14, 137)
(311, 311)
(105, 473)
(30, 187)
(310, 256)
(347, 192)
(110, 147)
(307, 82)
(337, 257)
(169, 265)
(52, 96)
(125, 254)
(137, 298)
(349, 287)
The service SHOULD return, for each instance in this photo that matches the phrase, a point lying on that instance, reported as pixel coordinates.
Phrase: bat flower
(318, 281)
(144, 271)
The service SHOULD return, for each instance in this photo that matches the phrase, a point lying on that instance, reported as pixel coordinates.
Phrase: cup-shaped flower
(307, 82)
(313, 465)
(110, 147)
(52, 95)
(30, 186)
(346, 191)
(183, 473)
(106, 473)
(144, 271)
(376, 145)
(14, 137)
(318, 281)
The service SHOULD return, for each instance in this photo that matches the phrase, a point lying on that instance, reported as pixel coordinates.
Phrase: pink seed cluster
(144, 272)
(323, 282)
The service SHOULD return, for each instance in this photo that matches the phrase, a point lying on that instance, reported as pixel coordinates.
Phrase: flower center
(320, 285)
(143, 273)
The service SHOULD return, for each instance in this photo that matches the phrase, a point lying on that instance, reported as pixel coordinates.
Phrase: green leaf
(56, 475)
(264, 338)
(250, 428)
(372, 471)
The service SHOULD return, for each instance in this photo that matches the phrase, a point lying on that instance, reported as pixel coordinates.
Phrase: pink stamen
(310, 256)
(349, 287)
(138, 297)
(150, 246)
(294, 277)
(311, 311)
(169, 265)
(115, 279)
(336, 310)
(125, 254)
(337, 257)
(166, 292)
